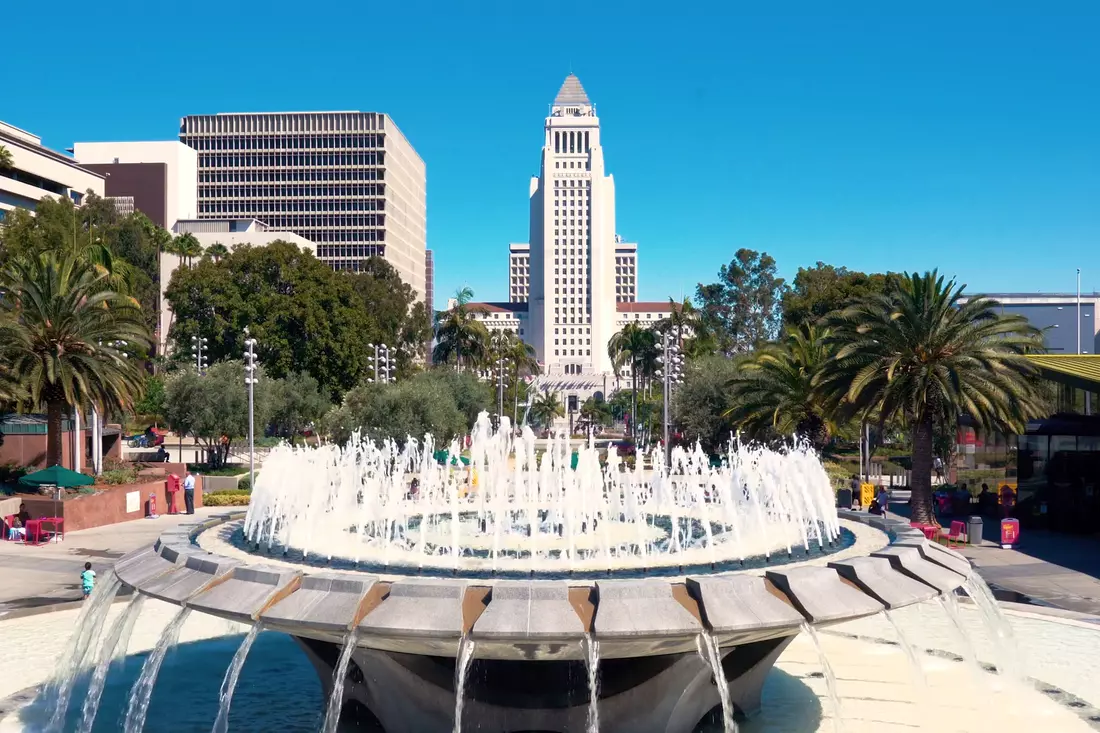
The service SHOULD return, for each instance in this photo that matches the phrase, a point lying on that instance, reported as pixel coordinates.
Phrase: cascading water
(509, 511)
(970, 656)
(708, 650)
(592, 666)
(232, 674)
(89, 624)
(462, 668)
(910, 652)
(118, 638)
(830, 676)
(339, 676)
(142, 691)
(1004, 641)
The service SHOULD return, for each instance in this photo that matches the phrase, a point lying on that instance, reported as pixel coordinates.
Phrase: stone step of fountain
(910, 560)
(876, 577)
(644, 607)
(177, 585)
(937, 553)
(733, 606)
(536, 610)
(144, 565)
(246, 592)
(821, 595)
(327, 601)
(420, 607)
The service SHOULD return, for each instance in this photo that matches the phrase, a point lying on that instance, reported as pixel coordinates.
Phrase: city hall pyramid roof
(571, 93)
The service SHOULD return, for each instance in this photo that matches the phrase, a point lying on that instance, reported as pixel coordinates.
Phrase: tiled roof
(497, 307)
(655, 306)
(571, 93)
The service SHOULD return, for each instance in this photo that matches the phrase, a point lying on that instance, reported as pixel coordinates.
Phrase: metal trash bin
(974, 531)
(844, 498)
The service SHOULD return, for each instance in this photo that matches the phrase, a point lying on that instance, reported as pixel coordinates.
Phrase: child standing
(87, 579)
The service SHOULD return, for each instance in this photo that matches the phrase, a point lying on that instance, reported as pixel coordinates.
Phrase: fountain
(586, 594)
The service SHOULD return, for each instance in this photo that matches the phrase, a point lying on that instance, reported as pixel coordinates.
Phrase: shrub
(225, 499)
(245, 484)
(117, 476)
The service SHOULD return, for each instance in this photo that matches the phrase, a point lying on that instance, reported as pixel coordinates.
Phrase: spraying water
(830, 676)
(89, 625)
(592, 666)
(229, 683)
(462, 668)
(142, 691)
(511, 511)
(118, 638)
(332, 712)
(970, 657)
(708, 650)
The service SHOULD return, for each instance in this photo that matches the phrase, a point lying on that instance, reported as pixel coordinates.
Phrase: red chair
(956, 534)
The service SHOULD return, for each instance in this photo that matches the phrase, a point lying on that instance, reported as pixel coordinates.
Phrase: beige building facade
(37, 172)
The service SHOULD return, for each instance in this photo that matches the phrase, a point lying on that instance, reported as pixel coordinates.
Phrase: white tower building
(572, 287)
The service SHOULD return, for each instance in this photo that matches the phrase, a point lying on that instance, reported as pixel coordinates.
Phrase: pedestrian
(87, 580)
(189, 491)
(937, 465)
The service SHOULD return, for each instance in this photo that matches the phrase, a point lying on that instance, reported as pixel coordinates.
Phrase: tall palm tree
(67, 341)
(460, 335)
(217, 251)
(6, 162)
(682, 320)
(915, 352)
(545, 408)
(186, 247)
(777, 388)
(522, 362)
(637, 346)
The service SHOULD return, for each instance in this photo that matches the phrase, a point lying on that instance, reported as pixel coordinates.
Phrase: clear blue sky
(967, 140)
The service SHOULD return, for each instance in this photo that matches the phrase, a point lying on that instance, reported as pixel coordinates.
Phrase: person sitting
(18, 529)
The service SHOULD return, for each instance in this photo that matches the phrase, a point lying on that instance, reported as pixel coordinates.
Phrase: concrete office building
(1056, 315)
(626, 271)
(37, 172)
(230, 232)
(519, 272)
(348, 181)
(161, 176)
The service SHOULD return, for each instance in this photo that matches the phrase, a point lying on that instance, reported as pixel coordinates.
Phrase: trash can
(844, 498)
(974, 531)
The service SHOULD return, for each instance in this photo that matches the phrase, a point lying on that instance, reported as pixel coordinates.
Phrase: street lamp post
(198, 344)
(250, 380)
(383, 364)
(671, 373)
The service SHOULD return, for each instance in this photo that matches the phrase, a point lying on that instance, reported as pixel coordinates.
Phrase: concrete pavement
(41, 575)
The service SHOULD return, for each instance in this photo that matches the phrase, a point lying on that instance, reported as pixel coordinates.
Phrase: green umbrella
(56, 476)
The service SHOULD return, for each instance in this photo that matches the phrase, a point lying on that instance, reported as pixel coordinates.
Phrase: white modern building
(519, 272)
(349, 181)
(37, 172)
(160, 176)
(626, 271)
(230, 232)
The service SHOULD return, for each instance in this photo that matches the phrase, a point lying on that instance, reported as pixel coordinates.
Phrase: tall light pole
(671, 375)
(500, 389)
(383, 365)
(250, 380)
(198, 344)
(1078, 311)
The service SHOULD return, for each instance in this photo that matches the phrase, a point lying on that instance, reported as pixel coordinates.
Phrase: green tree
(742, 309)
(776, 390)
(304, 315)
(595, 413)
(917, 353)
(701, 405)
(213, 405)
(186, 247)
(295, 403)
(6, 161)
(216, 251)
(822, 289)
(459, 335)
(152, 403)
(399, 319)
(637, 347)
(72, 338)
(545, 408)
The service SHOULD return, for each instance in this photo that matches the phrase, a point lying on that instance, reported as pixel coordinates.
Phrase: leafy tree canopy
(702, 403)
(742, 309)
(823, 288)
(294, 404)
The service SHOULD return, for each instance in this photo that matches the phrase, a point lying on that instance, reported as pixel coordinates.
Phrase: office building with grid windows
(348, 181)
(519, 272)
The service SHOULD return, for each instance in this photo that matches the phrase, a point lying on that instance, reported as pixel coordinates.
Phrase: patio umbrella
(58, 476)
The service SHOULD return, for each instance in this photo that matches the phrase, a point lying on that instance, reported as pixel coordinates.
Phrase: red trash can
(172, 487)
(1010, 533)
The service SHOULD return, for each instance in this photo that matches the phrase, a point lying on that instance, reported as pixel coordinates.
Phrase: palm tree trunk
(921, 482)
(633, 399)
(55, 409)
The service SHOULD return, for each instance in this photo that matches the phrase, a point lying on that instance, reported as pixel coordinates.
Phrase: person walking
(87, 580)
(937, 466)
(189, 491)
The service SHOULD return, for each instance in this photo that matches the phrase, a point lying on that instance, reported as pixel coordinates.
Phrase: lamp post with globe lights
(250, 379)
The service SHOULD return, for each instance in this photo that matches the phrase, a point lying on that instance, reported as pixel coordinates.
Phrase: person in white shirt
(189, 492)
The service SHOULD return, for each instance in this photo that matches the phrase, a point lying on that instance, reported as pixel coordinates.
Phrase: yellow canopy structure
(1075, 370)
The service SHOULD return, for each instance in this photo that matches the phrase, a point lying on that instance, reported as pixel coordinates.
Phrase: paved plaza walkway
(42, 575)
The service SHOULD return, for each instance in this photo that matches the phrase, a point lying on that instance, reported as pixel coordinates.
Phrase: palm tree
(6, 162)
(217, 251)
(637, 346)
(186, 247)
(916, 353)
(66, 343)
(522, 362)
(545, 408)
(460, 334)
(777, 388)
(682, 318)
